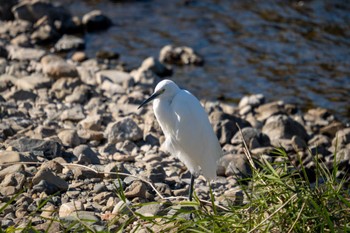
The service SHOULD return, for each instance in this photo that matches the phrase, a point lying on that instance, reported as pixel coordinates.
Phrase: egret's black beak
(152, 97)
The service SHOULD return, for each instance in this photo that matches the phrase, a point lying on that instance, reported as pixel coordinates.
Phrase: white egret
(188, 132)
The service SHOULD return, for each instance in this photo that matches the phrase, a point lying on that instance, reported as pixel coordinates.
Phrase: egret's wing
(194, 138)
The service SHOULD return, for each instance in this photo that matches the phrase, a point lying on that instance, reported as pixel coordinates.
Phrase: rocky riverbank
(69, 124)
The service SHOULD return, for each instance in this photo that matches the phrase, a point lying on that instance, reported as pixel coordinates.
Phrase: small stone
(8, 190)
(115, 167)
(82, 174)
(156, 174)
(151, 210)
(342, 138)
(69, 137)
(24, 54)
(48, 210)
(155, 66)
(81, 94)
(79, 56)
(69, 42)
(86, 155)
(265, 111)
(107, 54)
(179, 56)
(21, 95)
(137, 189)
(113, 76)
(47, 175)
(68, 208)
(49, 149)
(73, 114)
(235, 164)
(90, 135)
(283, 127)
(92, 122)
(126, 129)
(331, 129)
(252, 100)
(10, 169)
(13, 157)
(55, 67)
(53, 166)
(102, 197)
(32, 82)
(96, 20)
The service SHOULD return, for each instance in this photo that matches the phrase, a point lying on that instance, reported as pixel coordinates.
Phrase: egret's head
(166, 89)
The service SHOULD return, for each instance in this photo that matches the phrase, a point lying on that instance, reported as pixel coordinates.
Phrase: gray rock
(115, 167)
(32, 82)
(155, 173)
(32, 11)
(179, 56)
(96, 20)
(150, 210)
(86, 155)
(234, 165)
(49, 149)
(64, 87)
(342, 138)
(80, 94)
(44, 33)
(69, 42)
(69, 138)
(332, 128)
(21, 95)
(156, 67)
(252, 100)
(21, 40)
(16, 179)
(44, 131)
(5, 10)
(126, 129)
(10, 169)
(13, 156)
(113, 76)
(107, 54)
(55, 67)
(79, 56)
(90, 135)
(92, 122)
(82, 174)
(283, 127)
(48, 176)
(8, 191)
(52, 165)
(68, 208)
(22, 54)
(224, 125)
(138, 189)
(253, 137)
(73, 114)
(265, 111)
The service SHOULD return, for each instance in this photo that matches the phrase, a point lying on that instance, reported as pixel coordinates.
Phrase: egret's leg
(191, 188)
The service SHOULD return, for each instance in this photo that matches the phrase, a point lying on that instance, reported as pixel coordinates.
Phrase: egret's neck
(164, 114)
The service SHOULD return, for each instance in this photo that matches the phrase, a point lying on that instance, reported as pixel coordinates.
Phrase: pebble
(85, 155)
(55, 67)
(96, 20)
(125, 129)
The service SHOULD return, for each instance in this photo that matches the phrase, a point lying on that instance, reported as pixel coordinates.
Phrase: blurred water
(291, 50)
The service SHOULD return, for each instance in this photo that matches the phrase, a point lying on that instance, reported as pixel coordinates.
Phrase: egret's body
(187, 130)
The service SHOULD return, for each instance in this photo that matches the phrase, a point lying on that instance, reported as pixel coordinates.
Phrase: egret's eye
(162, 91)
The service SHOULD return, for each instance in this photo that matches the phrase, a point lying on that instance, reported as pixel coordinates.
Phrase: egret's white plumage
(186, 127)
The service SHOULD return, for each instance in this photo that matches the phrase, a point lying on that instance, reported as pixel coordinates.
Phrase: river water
(296, 51)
